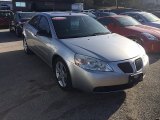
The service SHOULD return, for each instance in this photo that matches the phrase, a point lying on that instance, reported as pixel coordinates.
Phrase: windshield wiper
(78, 36)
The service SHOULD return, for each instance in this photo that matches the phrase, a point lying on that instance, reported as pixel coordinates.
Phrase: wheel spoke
(63, 81)
(24, 44)
(61, 74)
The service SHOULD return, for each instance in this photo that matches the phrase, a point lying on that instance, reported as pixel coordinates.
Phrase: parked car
(19, 19)
(87, 58)
(148, 37)
(102, 14)
(5, 17)
(156, 13)
(118, 10)
(145, 18)
(122, 10)
(4, 7)
(90, 14)
(92, 10)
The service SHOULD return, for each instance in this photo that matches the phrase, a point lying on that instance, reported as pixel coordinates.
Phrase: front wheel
(62, 74)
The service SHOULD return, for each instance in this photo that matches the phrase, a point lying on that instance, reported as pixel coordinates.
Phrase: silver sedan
(83, 53)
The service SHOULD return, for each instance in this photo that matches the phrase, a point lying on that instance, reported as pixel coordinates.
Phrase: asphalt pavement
(28, 91)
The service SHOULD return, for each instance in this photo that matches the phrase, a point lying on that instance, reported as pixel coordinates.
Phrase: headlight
(145, 59)
(149, 36)
(142, 49)
(90, 63)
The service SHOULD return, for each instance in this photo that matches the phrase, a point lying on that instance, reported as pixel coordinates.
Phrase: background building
(6, 2)
(42, 5)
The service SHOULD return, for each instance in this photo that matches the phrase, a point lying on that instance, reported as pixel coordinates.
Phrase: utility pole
(117, 3)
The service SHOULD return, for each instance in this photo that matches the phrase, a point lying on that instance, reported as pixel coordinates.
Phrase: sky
(5, 0)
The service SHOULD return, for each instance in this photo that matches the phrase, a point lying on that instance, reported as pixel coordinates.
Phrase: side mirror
(44, 33)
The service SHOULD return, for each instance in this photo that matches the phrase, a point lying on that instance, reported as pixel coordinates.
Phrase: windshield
(77, 26)
(127, 21)
(26, 15)
(150, 17)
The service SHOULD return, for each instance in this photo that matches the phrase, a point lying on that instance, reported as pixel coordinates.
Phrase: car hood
(111, 47)
(144, 28)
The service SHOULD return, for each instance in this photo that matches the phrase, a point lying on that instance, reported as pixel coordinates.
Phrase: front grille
(139, 64)
(114, 88)
(133, 80)
(126, 67)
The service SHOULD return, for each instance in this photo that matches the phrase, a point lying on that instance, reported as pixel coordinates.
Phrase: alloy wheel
(25, 45)
(61, 74)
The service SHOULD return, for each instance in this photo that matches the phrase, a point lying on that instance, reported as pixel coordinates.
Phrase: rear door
(31, 29)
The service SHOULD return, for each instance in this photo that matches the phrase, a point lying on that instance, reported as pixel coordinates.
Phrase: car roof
(24, 12)
(114, 16)
(69, 13)
(136, 12)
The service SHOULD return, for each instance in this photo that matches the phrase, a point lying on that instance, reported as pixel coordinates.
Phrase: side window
(44, 25)
(138, 18)
(34, 22)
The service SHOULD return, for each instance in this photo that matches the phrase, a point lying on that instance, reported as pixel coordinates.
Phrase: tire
(10, 29)
(18, 34)
(62, 74)
(25, 46)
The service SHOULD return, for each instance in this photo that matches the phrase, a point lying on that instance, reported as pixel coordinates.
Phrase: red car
(5, 17)
(148, 37)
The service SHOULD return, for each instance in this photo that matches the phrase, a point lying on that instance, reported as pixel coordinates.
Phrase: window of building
(20, 4)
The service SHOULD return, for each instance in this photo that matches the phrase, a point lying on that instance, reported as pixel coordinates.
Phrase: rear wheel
(17, 31)
(25, 46)
(10, 28)
(62, 74)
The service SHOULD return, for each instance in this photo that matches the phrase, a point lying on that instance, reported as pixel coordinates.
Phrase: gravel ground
(28, 91)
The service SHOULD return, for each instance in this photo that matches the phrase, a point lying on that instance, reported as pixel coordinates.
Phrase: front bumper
(92, 81)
